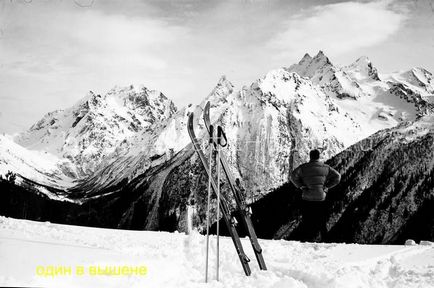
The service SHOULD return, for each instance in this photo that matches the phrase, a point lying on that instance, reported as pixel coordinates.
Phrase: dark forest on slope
(386, 195)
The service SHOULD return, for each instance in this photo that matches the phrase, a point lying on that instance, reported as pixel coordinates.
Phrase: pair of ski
(240, 205)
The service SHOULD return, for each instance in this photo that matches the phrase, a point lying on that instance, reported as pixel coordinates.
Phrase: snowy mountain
(273, 123)
(335, 81)
(130, 146)
(97, 131)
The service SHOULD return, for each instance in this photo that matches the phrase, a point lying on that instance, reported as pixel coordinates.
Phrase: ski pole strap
(211, 134)
(221, 134)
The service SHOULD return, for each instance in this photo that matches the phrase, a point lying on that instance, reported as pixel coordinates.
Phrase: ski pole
(219, 138)
(211, 132)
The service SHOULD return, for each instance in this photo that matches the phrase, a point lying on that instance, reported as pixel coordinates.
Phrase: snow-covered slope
(177, 260)
(39, 166)
(417, 79)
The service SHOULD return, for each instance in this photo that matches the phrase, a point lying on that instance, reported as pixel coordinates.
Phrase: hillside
(386, 194)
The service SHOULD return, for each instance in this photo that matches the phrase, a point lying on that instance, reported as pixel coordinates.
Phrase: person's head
(314, 154)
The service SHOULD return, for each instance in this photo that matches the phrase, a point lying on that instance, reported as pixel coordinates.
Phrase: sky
(52, 52)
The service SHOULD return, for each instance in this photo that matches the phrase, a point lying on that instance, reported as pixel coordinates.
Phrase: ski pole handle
(211, 134)
(221, 135)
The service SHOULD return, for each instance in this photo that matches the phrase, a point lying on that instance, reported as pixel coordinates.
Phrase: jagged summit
(340, 82)
(363, 60)
(321, 57)
(306, 59)
(222, 80)
(420, 77)
(223, 88)
(362, 70)
(308, 66)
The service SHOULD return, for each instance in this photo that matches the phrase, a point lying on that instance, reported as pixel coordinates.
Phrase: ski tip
(190, 120)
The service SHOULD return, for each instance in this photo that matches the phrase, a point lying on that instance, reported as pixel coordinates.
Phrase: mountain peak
(363, 60)
(224, 82)
(132, 96)
(306, 59)
(223, 88)
(419, 78)
(422, 72)
(308, 66)
(321, 57)
(362, 68)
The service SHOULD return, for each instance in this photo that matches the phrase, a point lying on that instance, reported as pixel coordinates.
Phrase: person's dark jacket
(315, 178)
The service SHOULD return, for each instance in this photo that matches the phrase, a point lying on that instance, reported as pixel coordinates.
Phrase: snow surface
(177, 260)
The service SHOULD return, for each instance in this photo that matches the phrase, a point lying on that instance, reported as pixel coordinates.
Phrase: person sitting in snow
(314, 178)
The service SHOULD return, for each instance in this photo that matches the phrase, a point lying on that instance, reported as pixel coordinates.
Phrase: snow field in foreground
(177, 260)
